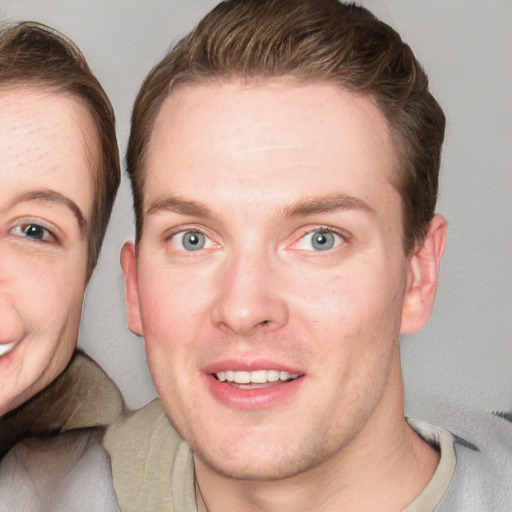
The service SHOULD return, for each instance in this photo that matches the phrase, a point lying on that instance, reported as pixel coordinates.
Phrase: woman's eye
(191, 240)
(33, 231)
(319, 240)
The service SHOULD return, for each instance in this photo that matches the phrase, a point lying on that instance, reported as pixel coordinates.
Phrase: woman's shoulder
(67, 472)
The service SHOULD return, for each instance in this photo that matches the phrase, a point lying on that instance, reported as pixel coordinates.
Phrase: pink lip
(255, 398)
(248, 366)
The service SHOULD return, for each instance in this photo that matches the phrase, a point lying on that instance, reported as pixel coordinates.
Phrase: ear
(422, 277)
(131, 285)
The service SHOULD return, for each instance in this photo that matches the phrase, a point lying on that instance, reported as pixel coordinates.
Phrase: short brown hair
(34, 54)
(309, 40)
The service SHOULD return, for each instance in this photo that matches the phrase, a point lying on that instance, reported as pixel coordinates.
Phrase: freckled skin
(44, 147)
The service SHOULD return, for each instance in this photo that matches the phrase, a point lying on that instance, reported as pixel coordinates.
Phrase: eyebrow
(301, 208)
(326, 204)
(51, 196)
(178, 205)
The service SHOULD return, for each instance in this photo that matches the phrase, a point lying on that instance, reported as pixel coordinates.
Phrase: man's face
(270, 274)
(46, 196)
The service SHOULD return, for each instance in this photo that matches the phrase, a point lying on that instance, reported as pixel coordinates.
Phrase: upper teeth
(256, 376)
(6, 347)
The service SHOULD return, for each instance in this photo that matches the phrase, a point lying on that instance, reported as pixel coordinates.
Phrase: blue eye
(190, 240)
(319, 240)
(33, 231)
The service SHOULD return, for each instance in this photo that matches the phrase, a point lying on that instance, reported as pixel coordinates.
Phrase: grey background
(465, 353)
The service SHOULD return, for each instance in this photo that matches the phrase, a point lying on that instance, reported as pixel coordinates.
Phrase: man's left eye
(319, 240)
(33, 231)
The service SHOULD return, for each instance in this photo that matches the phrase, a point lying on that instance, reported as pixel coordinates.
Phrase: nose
(250, 296)
(11, 325)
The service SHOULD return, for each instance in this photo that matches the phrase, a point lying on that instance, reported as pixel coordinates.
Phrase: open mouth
(255, 378)
(5, 348)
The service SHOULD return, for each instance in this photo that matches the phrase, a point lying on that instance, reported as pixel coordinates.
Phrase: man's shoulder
(146, 452)
(488, 431)
(482, 479)
(148, 428)
(483, 474)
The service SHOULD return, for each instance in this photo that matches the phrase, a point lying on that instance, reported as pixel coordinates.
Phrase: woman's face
(47, 148)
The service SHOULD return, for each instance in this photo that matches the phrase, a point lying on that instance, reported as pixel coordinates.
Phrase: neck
(385, 467)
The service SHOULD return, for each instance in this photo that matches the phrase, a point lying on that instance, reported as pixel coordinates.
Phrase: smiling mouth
(255, 378)
(5, 348)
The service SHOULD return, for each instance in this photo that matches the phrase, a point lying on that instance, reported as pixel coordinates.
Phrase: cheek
(353, 304)
(49, 303)
(355, 324)
(171, 296)
(169, 304)
(55, 288)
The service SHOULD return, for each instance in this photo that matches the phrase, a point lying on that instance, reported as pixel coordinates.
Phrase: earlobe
(129, 266)
(423, 275)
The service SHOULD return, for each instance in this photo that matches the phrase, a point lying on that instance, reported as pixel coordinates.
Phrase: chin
(249, 464)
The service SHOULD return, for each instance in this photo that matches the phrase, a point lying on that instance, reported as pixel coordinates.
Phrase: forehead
(31, 111)
(47, 141)
(268, 136)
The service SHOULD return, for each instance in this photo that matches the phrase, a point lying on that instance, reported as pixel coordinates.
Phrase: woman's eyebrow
(52, 196)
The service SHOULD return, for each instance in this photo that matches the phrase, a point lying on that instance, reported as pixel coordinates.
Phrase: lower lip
(256, 398)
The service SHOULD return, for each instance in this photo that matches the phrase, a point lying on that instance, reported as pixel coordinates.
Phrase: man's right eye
(190, 240)
(33, 231)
